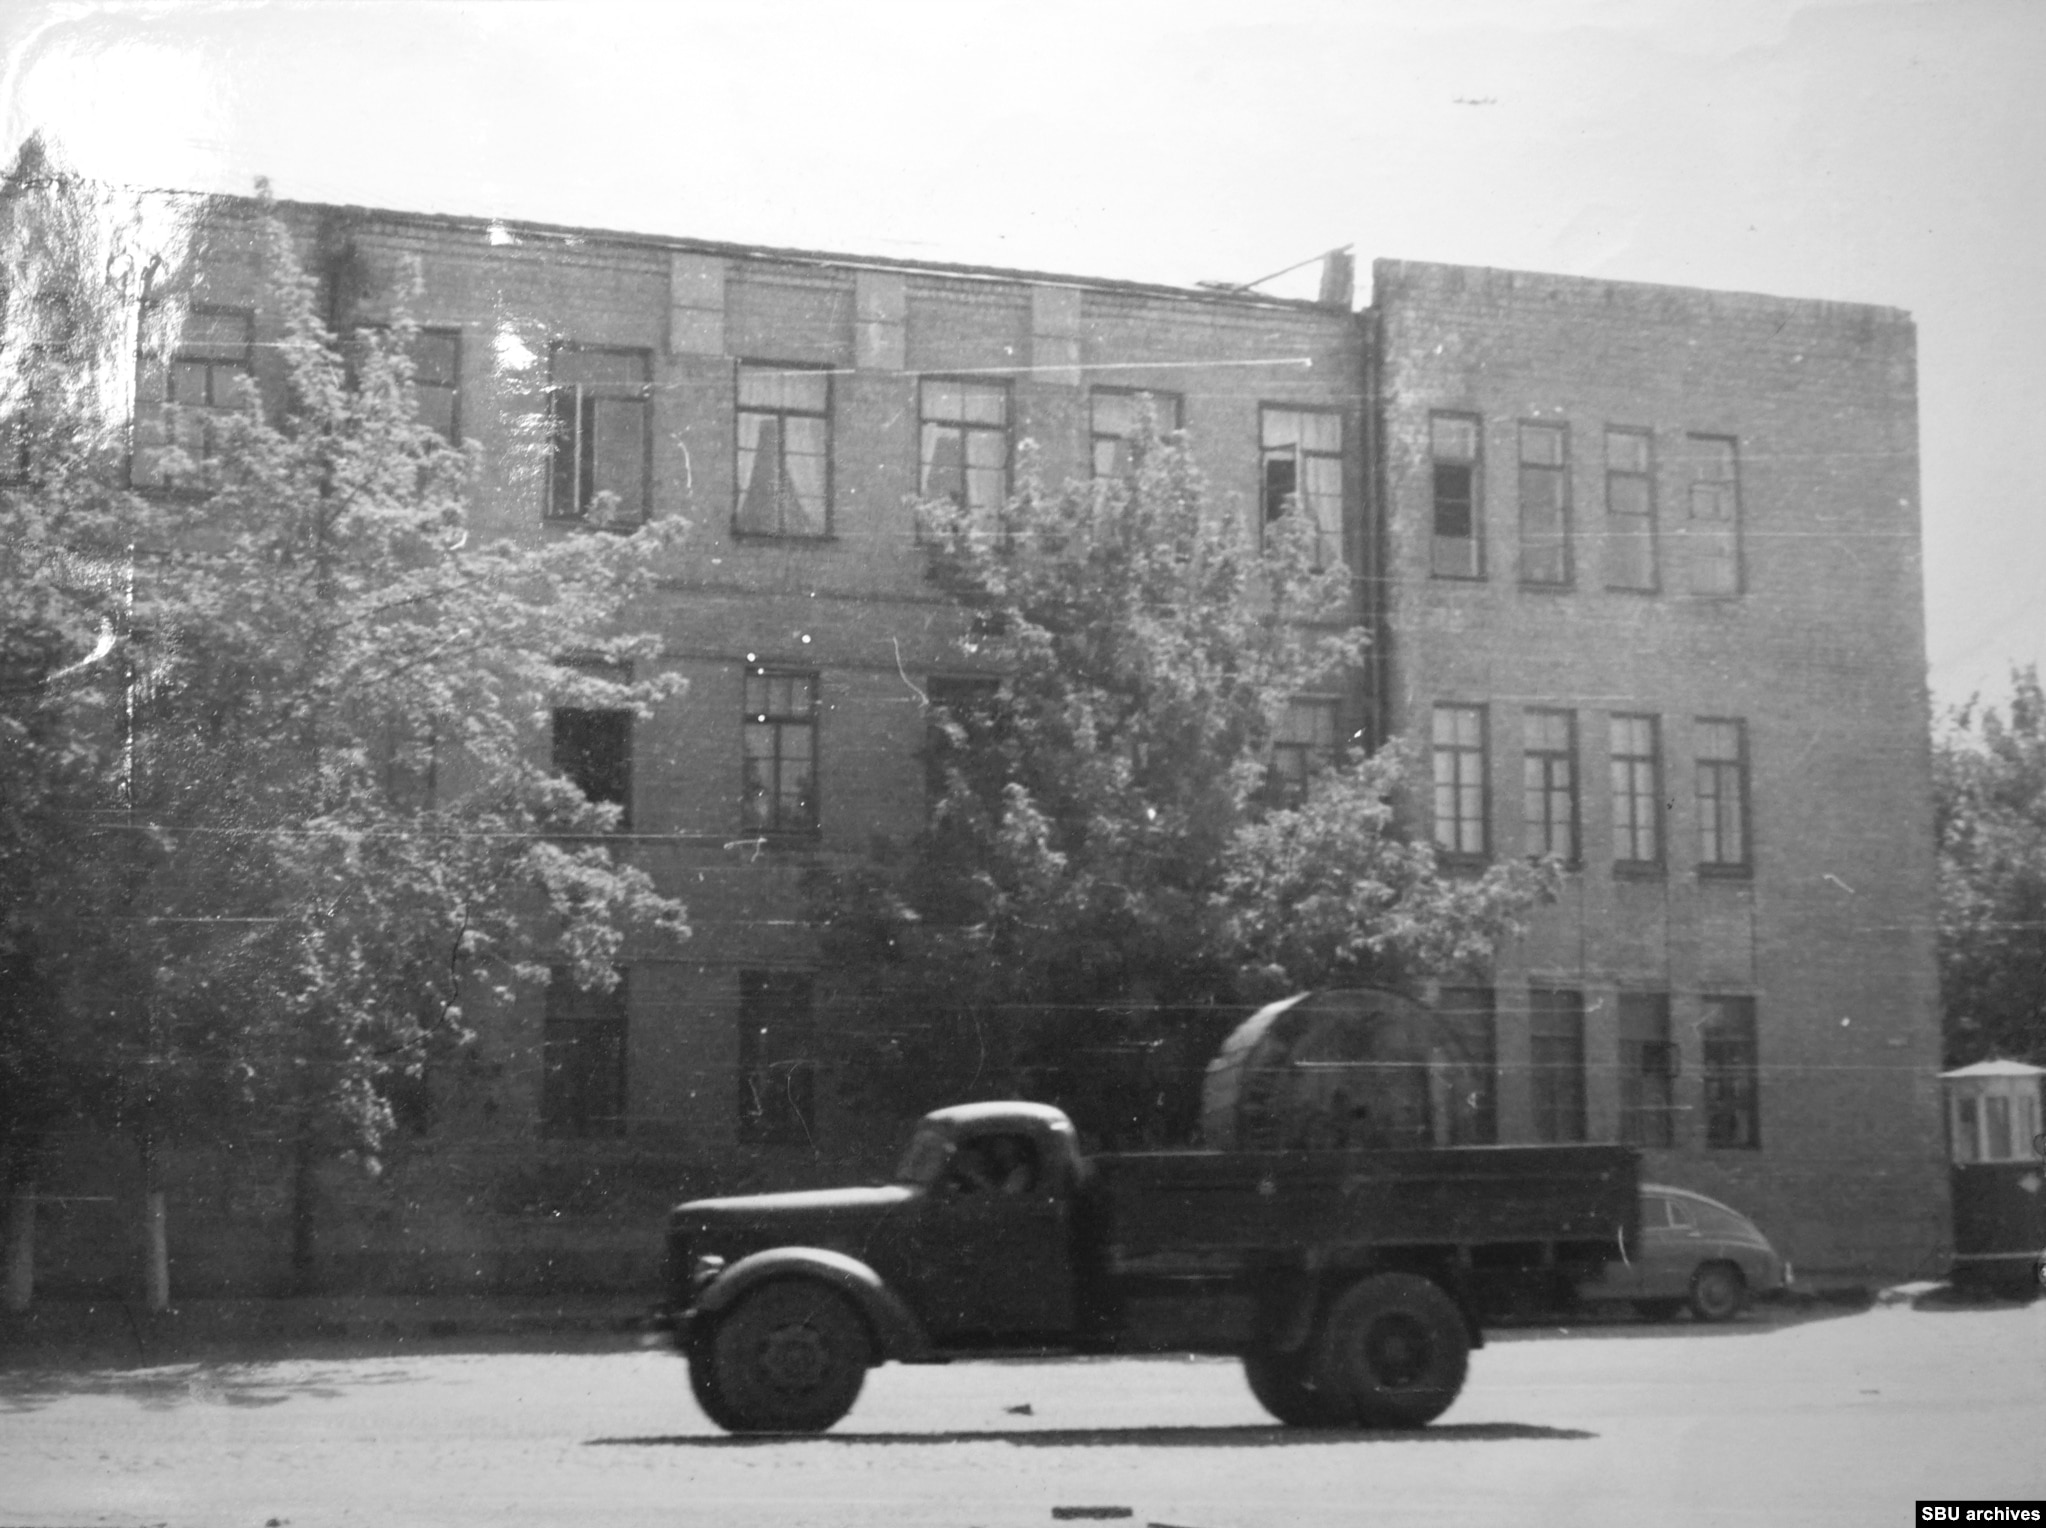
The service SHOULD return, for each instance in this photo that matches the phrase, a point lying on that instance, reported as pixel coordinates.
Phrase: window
(779, 789)
(437, 381)
(582, 1078)
(1722, 795)
(594, 749)
(1302, 456)
(1453, 443)
(1648, 1070)
(965, 443)
(959, 709)
(601, 405)
(1630, 510)
(1464, 1067)
(1459, 756)
(1549, 784)
(1303, 743)
(777, 1065)
(1113, 413)
(1637, 792)
(1713, 531)
(208, 376)
(784, 459)
(1544, 504)
(1732, 1073)
(1556, 1049)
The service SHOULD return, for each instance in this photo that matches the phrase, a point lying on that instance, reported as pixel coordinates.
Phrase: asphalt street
(1814, 1419)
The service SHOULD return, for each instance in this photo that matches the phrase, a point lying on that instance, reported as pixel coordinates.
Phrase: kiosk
(1999, 1180)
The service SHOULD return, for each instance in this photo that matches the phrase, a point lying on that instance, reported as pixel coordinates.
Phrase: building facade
(1643, 567)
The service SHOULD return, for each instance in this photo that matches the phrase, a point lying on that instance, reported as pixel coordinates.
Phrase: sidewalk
(121, 1333)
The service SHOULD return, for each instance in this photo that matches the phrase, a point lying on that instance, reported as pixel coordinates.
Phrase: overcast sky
(1881, 151)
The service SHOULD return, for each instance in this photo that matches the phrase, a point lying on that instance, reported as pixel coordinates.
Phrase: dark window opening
(777, 1061)
(582, 1085)
(1549, 784)
(1722, 796)
(1456, 547)
(1637, 791)
(594, 749)
(778, 792)
(1301, 451)
(1556, 1048)
(1733, 1083)
(1648, 1070)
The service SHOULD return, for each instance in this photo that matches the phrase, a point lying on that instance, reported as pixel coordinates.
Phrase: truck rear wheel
(1284, 1385)
(790, 1356)
(1393, 1352)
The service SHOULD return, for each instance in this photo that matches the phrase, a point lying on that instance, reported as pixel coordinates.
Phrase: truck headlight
(703, 1272)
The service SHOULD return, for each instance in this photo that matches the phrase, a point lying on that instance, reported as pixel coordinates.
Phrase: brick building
(1643, 563)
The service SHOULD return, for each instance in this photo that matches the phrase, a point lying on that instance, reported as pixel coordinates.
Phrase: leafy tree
(1989, 779)
(277, 797)
(1110, 867)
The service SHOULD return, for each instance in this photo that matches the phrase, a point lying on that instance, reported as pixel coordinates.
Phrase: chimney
(1338, 279)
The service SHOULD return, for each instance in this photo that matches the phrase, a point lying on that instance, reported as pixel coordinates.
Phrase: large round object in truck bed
(1330, 1071)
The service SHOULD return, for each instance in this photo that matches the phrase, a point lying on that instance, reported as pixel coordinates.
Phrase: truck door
(990, 1250)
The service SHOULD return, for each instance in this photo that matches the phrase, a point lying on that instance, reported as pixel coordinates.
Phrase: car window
(1679, 1214)
(928, 1151)
(1714, 1221)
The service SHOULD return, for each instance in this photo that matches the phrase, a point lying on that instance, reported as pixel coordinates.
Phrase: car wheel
(1284, 1385)
(790, 1356)
(1718, 1293)
(1393, 1352)
(1658, 1310)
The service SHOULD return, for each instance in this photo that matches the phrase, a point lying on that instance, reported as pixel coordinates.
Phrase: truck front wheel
(1393, 1351)
(790, 1356)
(1284, 1385)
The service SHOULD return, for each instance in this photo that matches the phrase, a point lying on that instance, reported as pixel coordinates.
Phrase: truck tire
(1284, 1385)
(790, 1356)
(1393, 1352)
(1718, 1292)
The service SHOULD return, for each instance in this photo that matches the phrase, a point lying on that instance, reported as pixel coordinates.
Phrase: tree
(1989, 782)
(278, 800)
(1110, 865)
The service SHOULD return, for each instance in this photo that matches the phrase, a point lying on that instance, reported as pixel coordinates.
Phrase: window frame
(1628, 795)
(1328, 541)
(1732, 1067)
(577, 1021)
(1097, 437)
(1616, 534)
(592, 721)
(782, 723)
(926, 423)
(1557, 1084)
(1461, 752)
(1649, 1067)
(1712, 858)
(1306, 757)
(584, 428)
(1473, 505)
(453, 387)
(786, 1115)
(1469, 1013)
(1556, 474)
(826, 416)
(1537, 796)
(1703, 548)
(204, 413)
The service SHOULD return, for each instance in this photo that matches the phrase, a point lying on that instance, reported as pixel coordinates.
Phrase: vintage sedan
(1693, 1252)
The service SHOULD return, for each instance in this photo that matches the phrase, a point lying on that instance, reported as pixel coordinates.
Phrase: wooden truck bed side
(1210, 1209)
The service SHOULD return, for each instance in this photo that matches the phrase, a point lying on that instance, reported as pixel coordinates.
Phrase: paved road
(1844, 1420)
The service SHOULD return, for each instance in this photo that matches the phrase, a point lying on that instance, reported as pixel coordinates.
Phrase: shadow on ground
(161, 1389)
(1269, 1435)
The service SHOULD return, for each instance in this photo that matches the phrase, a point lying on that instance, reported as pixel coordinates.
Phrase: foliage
(1989, 778)
(1108, 869)
(277, 795)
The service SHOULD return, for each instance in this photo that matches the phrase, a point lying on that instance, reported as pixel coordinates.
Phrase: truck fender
(896, 1330)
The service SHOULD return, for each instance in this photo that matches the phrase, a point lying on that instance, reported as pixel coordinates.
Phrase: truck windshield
(929, 1149)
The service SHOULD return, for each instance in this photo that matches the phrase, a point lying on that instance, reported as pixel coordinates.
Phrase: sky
(1876, 151)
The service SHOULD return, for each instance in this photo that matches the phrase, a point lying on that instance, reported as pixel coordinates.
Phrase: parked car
(1693, 1252)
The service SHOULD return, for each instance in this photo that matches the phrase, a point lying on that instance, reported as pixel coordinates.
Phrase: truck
(1352, 1283)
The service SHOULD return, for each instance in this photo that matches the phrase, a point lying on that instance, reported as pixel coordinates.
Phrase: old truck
(1353, 1283)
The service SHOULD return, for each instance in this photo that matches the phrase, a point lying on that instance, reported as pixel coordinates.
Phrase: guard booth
(1999, 1180)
